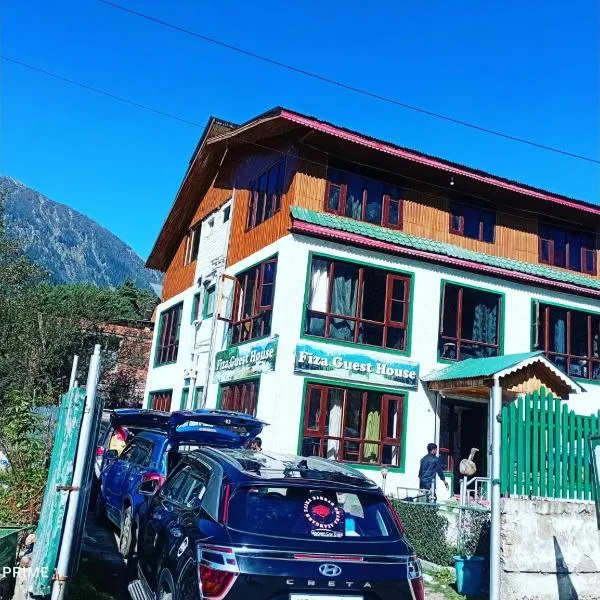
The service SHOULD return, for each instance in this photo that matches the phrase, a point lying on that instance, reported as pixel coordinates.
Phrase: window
(226, 213)
(469, 323)
(168, 335)
(185, 396)
(363, 198)
(573, 250)
(161, 400)
(240, 397)
(192, 244)
(139, 452)
(352, 425)
(570, 339)
(265, 195)
(310, 513)
(185, 487)
(253, 302)
(209, 302)
(472, 222)
(195, 307)
(352, 303)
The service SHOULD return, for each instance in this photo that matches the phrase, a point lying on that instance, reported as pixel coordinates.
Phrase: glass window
(226, 214)
(352, 425)
(570, 339)
(472, 222)
(470, 323)
(568, 249)
(265, 195)
(253, 307)
(196, 307)
(310, 513)
(363, 198)
(240, 397)
(168, 335)
(209, 302)
(349, 302)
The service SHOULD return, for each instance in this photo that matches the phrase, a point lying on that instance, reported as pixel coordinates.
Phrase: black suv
(233, 524)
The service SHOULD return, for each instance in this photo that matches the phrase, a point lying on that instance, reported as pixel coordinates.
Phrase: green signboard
(360, 366)
(595, 454)
(247, 360)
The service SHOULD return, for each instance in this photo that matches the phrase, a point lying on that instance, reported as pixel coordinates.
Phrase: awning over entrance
(518, 373)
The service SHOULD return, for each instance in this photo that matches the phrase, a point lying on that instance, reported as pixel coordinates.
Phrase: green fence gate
(546, 450)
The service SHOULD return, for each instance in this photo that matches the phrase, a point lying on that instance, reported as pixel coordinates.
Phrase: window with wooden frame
(569, 338)
(192, 244)
(472, 222)
(265, 195)
(364, 198)
(470, 323)
(161, 400)
(568, 249)
(208, 308)
(353, 425)
(241, 396)
(353, 303)
(168, 335)
(253, 302)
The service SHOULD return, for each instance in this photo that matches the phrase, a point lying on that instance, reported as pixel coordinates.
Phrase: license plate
(323, 597)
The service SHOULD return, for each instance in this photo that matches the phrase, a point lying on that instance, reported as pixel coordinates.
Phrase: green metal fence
(545, 448)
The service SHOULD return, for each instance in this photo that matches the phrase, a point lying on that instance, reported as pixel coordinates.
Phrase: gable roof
(398, 242)
(500, 366)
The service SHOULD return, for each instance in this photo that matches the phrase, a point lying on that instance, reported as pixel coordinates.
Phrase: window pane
(354, 196)
(314, 409)
(371, 335)
(344, 291)
(471, 222)
(261, 199)
(479, 316)
(574, 241)
(248, 293)
(393, 412)
(489, 220)
(455, 217)
(372, 427)
(558, 330)
(545, 251)
(333, 198)
(579, 334)
(353, 413)
(397, 312)
(394, 212)
(333, 423)
(596, 337)
(560, 247)
(374, 201)
(588, 257)
(450, 311)
(395, 338)
(342, 329)
(373, 300)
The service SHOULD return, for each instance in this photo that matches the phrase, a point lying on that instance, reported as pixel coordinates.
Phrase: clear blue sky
(528, 68)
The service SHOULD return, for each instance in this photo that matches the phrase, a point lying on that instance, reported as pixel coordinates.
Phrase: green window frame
(208, 308)
(185, 394)
(167, 345)
(160, 400)
(195, 314)
(394, 324)
(240, 396)
(462, 334)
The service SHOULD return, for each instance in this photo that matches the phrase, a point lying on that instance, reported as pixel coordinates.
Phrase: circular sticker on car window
(323, 514)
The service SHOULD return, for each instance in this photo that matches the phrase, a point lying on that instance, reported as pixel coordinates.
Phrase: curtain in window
(317, 299)
(372, 432)
(485, 322)
(560, 335)
(334, 423)
(343, 301)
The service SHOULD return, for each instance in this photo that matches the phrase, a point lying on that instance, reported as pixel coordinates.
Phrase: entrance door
(464, 425)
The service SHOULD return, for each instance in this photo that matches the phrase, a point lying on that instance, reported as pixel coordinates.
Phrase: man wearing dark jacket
(430, 467)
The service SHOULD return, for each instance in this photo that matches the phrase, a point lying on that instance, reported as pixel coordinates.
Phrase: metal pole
(73, 372)
(64, 556)
(496, 408)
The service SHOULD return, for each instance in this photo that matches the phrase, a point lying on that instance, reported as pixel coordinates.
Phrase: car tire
(127, 536)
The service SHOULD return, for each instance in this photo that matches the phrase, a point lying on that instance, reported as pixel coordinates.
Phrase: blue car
(232, 524)
(162, 440)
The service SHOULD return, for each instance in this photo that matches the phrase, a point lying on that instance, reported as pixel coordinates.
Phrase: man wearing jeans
(430, 467)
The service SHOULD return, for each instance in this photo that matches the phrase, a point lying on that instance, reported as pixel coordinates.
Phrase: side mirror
(148, 487)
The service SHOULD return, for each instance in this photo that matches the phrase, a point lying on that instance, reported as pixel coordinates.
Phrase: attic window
(265, 195)
(192, 244)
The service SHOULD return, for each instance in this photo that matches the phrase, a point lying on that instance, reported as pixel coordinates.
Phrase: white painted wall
(281, 392)
(212, 250)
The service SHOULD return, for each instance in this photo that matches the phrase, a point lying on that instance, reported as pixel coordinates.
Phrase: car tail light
(100, 451)
(395, 516)
(153, 477)
(415, 578)
(217, 571)
(226, 495)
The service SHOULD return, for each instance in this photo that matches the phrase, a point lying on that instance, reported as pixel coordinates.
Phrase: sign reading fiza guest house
(251, 359)
(366, 367)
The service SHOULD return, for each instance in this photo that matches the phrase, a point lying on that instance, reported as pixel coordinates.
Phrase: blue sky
(529, 69)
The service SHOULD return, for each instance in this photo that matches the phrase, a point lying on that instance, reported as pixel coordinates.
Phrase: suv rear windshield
(303, 512)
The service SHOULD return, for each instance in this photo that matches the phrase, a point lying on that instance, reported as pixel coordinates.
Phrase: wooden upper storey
(284, 159)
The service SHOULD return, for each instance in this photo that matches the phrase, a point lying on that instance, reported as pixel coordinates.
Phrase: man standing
(430, 467)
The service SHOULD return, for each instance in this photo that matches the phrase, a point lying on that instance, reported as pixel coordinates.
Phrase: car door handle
(175, 531)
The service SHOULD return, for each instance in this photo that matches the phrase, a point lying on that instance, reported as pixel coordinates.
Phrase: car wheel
(126, 539)
(165, 586)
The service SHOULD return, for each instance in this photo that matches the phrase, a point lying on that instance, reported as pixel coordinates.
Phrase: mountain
(69, 245)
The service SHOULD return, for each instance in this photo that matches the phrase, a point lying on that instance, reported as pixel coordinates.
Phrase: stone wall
(550, 550)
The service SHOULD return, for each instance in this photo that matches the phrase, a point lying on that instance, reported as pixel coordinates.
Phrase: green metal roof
(406, 240)
(479, 367)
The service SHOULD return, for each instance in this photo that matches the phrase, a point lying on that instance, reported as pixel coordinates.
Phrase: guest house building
(362, 297)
